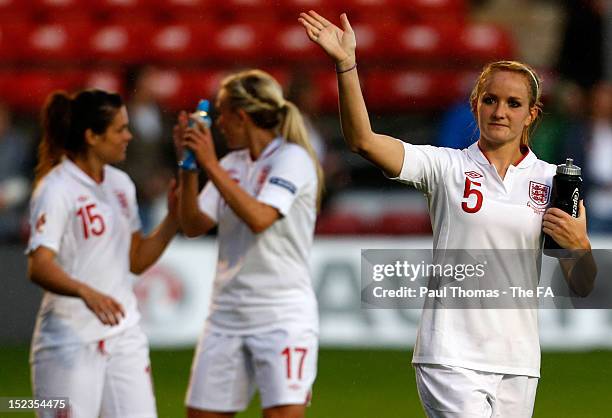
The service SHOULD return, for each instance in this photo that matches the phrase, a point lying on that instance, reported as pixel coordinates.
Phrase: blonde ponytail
(294, 131)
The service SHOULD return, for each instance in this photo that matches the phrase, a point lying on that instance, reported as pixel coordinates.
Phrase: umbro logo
(473, 174)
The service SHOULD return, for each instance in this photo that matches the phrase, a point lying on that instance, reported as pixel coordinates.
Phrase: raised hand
(107, 309)
(338, 43)
(198, 139)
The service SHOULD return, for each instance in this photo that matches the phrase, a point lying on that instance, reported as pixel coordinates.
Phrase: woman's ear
(242, 115)
(533, 114)
(90, 137)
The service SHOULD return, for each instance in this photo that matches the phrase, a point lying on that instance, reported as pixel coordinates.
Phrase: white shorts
(226, 369)
(456, 392)
(107, 378)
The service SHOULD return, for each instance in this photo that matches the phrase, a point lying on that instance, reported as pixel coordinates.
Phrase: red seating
(112, 81)
(483, 43)
(174, 90)
(397, 90)
(204, 85)
(53, 11)
(290, 9)
(256, 10)
(238, 42)
(290, 44)
(326, 85)
(396, 223)
(8, 42)
(119, 42)
(421, 41)
(28, 90)
(53, 42)
(374, 40)
(15, 11)
(339, 223)
(185, 11)
(179, 42)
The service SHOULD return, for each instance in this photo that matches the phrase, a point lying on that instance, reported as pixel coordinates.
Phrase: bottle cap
(569, 168)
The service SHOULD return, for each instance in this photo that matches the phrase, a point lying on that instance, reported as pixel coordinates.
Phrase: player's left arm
(256, 215)
(571, 233)
(144, 251)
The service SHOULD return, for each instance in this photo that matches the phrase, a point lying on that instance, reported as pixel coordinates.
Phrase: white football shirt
(471, 207)
(263, 280)
(89, 226)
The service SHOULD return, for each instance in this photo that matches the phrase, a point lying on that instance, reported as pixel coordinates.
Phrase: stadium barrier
(174, 294)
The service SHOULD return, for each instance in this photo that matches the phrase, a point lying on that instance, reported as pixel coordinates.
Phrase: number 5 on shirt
(471, 189)
(92, 222)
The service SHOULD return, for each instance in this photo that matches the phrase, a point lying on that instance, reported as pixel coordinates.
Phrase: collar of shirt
(476, 154)
(74, 170)
(271, 147)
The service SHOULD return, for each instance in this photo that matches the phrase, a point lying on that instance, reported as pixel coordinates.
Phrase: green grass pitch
(366, 384)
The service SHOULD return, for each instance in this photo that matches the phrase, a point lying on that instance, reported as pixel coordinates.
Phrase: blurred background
(418, 60)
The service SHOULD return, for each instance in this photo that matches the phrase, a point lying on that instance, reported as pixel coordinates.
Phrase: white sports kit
(471, 207)
(103, 370)
(263, 324)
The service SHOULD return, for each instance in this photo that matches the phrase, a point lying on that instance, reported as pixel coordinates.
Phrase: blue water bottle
(202, 112)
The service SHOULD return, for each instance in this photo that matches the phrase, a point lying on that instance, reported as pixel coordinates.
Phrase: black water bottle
(566, 194)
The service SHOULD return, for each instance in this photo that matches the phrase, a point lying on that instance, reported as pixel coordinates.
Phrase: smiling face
(503, 109)
(111, 146)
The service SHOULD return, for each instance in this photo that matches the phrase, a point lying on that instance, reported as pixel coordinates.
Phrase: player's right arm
(193, 222)
(45, 272)
(340, 44)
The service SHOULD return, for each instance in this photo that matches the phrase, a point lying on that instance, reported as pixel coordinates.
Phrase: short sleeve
(49, 213)
(292, 171)
(208, 201)
(424, 166)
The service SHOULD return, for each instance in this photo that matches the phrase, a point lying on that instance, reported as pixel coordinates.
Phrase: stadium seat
(112, 81)
(238, 42)
(54, 11)
(291, 44)
(483, 43)
(390, 91)
(377, 12)
(290, 9)
(29, 89)
(434, 10)
(179, 42)
(15, 6)
(204, 85)
(420, 42)
(252, 10)
(174, 89)
(125, 10)
(371, 37)
(121, 43)
(185, 11)
(54, 42)
(327, 86)
(9, 41)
